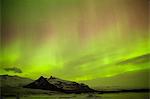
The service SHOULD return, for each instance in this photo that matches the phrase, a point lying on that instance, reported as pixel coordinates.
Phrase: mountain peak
(41, 83)
(41, 77)
(51, 77)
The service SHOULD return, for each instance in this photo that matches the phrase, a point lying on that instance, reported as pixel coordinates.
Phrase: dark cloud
(137, 60)
(14, 69)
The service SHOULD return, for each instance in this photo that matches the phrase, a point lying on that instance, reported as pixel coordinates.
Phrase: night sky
(74, 39)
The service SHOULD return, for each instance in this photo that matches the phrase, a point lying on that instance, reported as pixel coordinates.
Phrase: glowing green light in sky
(74, 39)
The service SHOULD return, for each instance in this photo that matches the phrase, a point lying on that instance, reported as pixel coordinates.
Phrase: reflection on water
(87, 96)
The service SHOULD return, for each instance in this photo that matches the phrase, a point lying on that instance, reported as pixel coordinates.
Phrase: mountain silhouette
(56, 84)
(42, 83)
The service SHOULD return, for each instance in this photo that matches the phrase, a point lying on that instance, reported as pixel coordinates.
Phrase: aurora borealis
(74, 39)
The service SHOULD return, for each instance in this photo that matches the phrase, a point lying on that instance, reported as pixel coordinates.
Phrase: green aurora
(73, 39)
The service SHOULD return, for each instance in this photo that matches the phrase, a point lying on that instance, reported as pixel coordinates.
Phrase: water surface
(131, 95)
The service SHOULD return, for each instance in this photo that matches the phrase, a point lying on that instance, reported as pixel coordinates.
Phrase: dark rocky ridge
(56, 84)
(42, 83)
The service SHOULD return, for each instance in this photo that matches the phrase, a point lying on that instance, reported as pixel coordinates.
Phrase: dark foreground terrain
(129, 95)
(15, 87)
